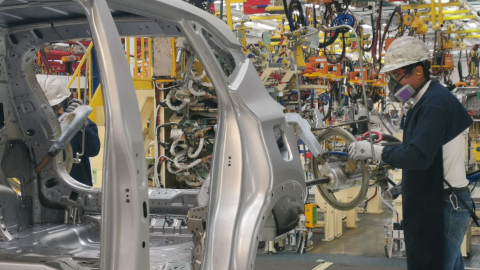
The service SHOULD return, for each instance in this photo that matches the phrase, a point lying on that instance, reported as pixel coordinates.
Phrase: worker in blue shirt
(58, 94)
(435, 197)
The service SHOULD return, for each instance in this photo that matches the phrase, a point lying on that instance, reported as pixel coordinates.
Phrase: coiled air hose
(294, 4)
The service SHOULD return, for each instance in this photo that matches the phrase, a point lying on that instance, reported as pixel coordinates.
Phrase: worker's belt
(448, 191)
(455, 192)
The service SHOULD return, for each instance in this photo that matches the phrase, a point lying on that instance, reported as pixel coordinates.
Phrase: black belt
(456, 192)
(448, 191)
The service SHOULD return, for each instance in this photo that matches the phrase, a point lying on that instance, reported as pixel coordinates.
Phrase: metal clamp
(456, 208)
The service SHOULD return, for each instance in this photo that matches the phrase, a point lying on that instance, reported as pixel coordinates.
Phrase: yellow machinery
(311, 215)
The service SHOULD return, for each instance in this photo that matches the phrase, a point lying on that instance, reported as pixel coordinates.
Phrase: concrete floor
(361, 248)
(368, 239)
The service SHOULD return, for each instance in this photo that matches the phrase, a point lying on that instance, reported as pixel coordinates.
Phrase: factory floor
(361, 248)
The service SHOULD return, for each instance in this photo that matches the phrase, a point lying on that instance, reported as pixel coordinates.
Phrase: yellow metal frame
(274, 8)
(164, 80)
(459, 11)
(450, 18)
(467, 31)
(173, 72)
(76, 74)
(267, 17)
(311, 215)
(95, 102)
(467, 37)
(422, 6)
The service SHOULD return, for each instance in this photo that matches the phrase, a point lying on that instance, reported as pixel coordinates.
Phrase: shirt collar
(420, 94)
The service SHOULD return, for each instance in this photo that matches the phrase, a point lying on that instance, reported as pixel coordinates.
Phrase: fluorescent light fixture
(264, 26)
(367, 26)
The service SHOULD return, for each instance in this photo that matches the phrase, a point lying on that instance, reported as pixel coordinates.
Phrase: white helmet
(405, 51)
(55, 90)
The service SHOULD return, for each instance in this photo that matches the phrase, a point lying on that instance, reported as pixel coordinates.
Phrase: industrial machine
(236, 116)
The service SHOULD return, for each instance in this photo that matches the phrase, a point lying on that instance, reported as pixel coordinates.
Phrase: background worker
(57, 94)
(435, 221)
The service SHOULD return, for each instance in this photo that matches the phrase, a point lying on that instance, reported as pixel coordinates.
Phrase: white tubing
(193, 91)
(182, 94)
(195, 154)
(177, 158)
(198, 177)
(183, 166)
(388, 204)
(209, 85)
(193, 184)
(170, 169)
(168, 101)
(199, 77)
(173, 146)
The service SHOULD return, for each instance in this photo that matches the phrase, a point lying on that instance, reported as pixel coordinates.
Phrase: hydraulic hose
(373, 38)
(361, 74)
(460, 75)
(330, 41)
(385, 31)
(288, 8)
(342, 56)
(377, 39)
(389, 138)
(301, 16)
(435, 53)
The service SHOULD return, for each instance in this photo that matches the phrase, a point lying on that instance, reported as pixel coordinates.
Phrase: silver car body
(256, 165)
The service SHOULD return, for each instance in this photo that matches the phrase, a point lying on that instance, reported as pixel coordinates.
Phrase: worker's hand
(74, 103)
(457, 84)
(363, 150)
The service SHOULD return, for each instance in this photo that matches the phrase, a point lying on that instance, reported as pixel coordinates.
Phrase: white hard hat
(405, 51)
(55, 90)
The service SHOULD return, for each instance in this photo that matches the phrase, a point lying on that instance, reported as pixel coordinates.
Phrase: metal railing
(77, 74)
(142, 64)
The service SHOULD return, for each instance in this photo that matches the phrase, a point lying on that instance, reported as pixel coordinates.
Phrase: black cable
(460, 75)
(344, 49)
(373, 33)
(329, 113)
(285, 8)
(330, 41)
(300, 19)
(314, 17)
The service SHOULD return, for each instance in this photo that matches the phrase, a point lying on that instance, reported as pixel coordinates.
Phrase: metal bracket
(4, 233)
(196, 219)
(303, 129)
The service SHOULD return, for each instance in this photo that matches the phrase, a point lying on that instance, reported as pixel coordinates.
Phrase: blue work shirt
(82, 172)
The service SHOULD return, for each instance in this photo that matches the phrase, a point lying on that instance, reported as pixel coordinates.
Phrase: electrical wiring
(377, 61)
(377, 40)
(440, 45)
(289, 11)
(342, 56)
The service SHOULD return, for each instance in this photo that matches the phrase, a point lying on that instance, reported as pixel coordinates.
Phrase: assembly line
(239, 134)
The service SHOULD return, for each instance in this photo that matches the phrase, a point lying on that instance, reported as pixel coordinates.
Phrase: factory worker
(435, 219)
(57, 94)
